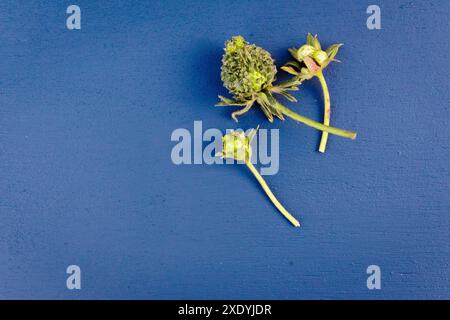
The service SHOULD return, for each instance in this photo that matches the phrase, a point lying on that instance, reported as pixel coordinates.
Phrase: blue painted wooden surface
(86, 176)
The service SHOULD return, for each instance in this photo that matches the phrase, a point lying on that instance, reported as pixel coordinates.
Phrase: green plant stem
(326, 112)
(315, 124)
(271, 196)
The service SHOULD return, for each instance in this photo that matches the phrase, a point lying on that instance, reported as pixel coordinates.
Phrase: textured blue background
(86, 176)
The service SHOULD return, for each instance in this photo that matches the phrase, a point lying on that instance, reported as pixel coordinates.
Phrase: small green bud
(236, 145)
(234, 44)
(320, 56)
(305, 51)
(305, 71)
(239, 41)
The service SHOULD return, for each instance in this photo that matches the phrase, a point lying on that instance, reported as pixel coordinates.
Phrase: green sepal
(293, 52)
(316, 44)
(310, 39)
(294, 64)
(291, 85)
(313, 41)
(289, 70)
(288, 96)
(273, 104)
(228, 102)
(333, 50)
(265, 109)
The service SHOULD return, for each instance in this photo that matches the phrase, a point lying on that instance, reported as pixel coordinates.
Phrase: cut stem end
(271, 196)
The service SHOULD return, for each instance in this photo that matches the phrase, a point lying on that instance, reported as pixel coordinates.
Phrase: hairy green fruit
(246, 69)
